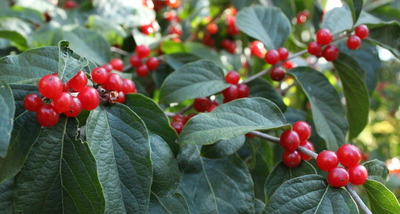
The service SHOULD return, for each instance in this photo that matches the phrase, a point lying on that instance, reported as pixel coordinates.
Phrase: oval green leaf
(6, 197)
(173, 203)
(261, 88)
(381, 199)
(7, 107)
(69, 63)
(377, 170)
(222, 148)
(355, 8)
(338, 19)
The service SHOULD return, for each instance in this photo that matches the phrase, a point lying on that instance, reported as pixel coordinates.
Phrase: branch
(120, 51)
(358, 200)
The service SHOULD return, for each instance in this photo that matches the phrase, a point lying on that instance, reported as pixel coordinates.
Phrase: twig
(358, 200)
(120, 51)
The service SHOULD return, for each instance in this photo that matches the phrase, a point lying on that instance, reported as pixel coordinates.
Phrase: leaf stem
(120, 51)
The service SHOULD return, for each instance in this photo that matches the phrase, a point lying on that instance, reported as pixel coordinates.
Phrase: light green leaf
(23, 13)
(381, 199)
(16, 30)
(15, 37)
(222, 148)
(7, 107)
(377, 170)
(69, 63)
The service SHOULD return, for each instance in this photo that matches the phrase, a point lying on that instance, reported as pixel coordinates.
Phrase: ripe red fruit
(303, 129)
(108, 67)
(357, 174)
(272, 57)
(257, 49)
(47, 115)
(147, 29)
(314, 48)
(290, 140)
(51, 86)
(78, 82)
(231, 93)
(324, 36)
(288, 65)
(152, 63)
(121, 97)
(74, 109)
(135, 61)
(142, 70)
(70, 4)
(114, 82)
(291, 159)
(330, 52)
(277, 73)
(353, 42)
(201, 104)
(244, 91)
(349, 155)
(212, 28)
(362, 31)
(302, 17)
(179, 118)
(142, 51)
(89, 98)
(283, 53)
(308, 145)
(212, 106)
(232, 77)
(338, 177)
(174, 3)
(178, 126)
(229, 45)
(63, 103)
(129, 86)
(99, 75)
(117, 64)
(32, 102)
(327, 160)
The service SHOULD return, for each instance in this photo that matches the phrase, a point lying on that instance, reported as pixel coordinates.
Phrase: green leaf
(197, 79)
(240, 4)
(59, 175)
(377, 170)
(16, 30)
(112, 32)
(269, 25)
(222, 148)
(356, 93)
(355, 8)
(154, 117)
(381, 199)
(310, 194)
(23, 13)
(204, 52)
(171, 47)
(15, 37)
(178, 60)
(173, 203)
(231, 120)
(338, 19)
(281, 173)
(386, 35)
(6, 197)
(69, 64)
(328, 113)
(261, 88)
(7, 107)
(120, 144)
(215, 185)
(29, 66)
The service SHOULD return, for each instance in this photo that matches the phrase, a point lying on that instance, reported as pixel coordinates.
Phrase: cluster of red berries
(302, 17)
(354, 41)
(322, 46)
(273, 57)
(143, 69)
(290, 140)
(235, 90)
(204, 104)
(179, 120)
(347, 155)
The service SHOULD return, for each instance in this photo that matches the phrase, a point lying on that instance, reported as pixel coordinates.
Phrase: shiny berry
(152, 63)
(121, 97)
(283, 53)
(290, 140)
(47, 115)
(178, 126)
(99, 75)
(179, 118)
(201, 104)
(135, 61)
(212, 28)
(232, 77)
(78, 82)
(51, 86)
(142, 51)
(302, 17)
(303, 129)
(338, 177)
(32, 102)
(272, 57)
(243, 91)
(330, 53)
(257, 49)
(324, 36)
(229, 45)
(349, 155)
(63, 103)
(108, 67)
(213, 106)
(142, 70)
(89, 98)
(291, 159)
(74, 109)
(353, 42)
(361, 31)
(69, 4)
(357, 174)
(287, 65)
(277, 73)
(231, 93)
(129, 86)
(117, 64)
(314, 48)
(114, 82)
(308, 145)
(174, 3)
(327, 160)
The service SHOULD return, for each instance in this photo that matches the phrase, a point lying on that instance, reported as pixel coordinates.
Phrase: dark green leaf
(222, 148)
(387, 36)
(310, 194)
(287, 7)
(59, 175)
(356, 93)
(377, 170)
(120, 144)
(380, 198)
(197, 79)
(173, 203)
(69, 64)
(293, 115)
(338, 19)
(240, 4)
(355, 8)
(6, 197)
(326, 107)
(204, 52)
(154, 117)
(231, 120)
(281, 173)
(269, 25)
(178, 60)
(261, 88)
(7, 107)
(259, 206)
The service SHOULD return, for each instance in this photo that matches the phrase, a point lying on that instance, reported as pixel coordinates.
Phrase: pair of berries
(322, 46)
(354, 41)
(349, 156)
(143, 69)
(274, 56)
(235, 90)
(290, 140)
(204, 104)
(229, 45)
(179, 120)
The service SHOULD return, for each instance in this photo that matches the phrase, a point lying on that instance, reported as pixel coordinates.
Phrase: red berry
(74, 109)
(302, 17)
(114, 82)
(179, 118)
(121, 97)
(291, 159)
(232, 30)
(129, 86)
(308, 145)
(283, 53)
(357, 174)
(232, 77)
(231, 93)
(212, 106)
(330, 52)
(353, 42)
(178, 126)
(99, 75)
(135, 61)
(257, 49)
(78, 82)
(314, 48)
(324, 36)
(290, 140)
(142, 70)
(208, 40)
(338, 177)
(108, 67)
(147, 29)
(142, 51)
(51, 86)
(303, 129)
(201, 104)
(89, 98)
(349, 155)
(277, 73)
(362, 31)
(212, 28)
(229, 45)
(288, 65)
(47, 16)
(152, 63)
(244, 91)
(47, 115)
(63, 103)
(117, 64)
(272, 57)
(174, 3)
(327, 160)
(70, 4)
(32, 102)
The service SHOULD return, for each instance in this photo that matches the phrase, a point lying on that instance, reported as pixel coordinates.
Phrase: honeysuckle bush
(127, 158)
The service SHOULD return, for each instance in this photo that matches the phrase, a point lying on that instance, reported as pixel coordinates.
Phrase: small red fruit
(129, 86)
(288, 65)
(142, 70)
(47, 115)
(291, 159)
(362, 31)
(201, 104)
(303, 129)
(327, 160)
(70, 4)
(290, 140)
(32, 102)
(244, 91)
(229, 45)
(74, 109)
(142, 51)
(283, 53)
(135, 61)
(353, 42)
(277, 73)
(314, 48)
(212, 28)
(114, 82)
(231, 93)
(152, 63)
(178, 126)
(117, 64)
(357, 174)
(232, 77)
(324, 36)
(302, 17)
(213, 106)
(121, 97)
(51, 86)
(63, 103)
(330, 53)
(257, 49)
(338, 177)
(308, 145)
(99, 75)
(349, 155)
(272, 57)
(89, 98)
(108, 67)
(78, 82)
(179, 118)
